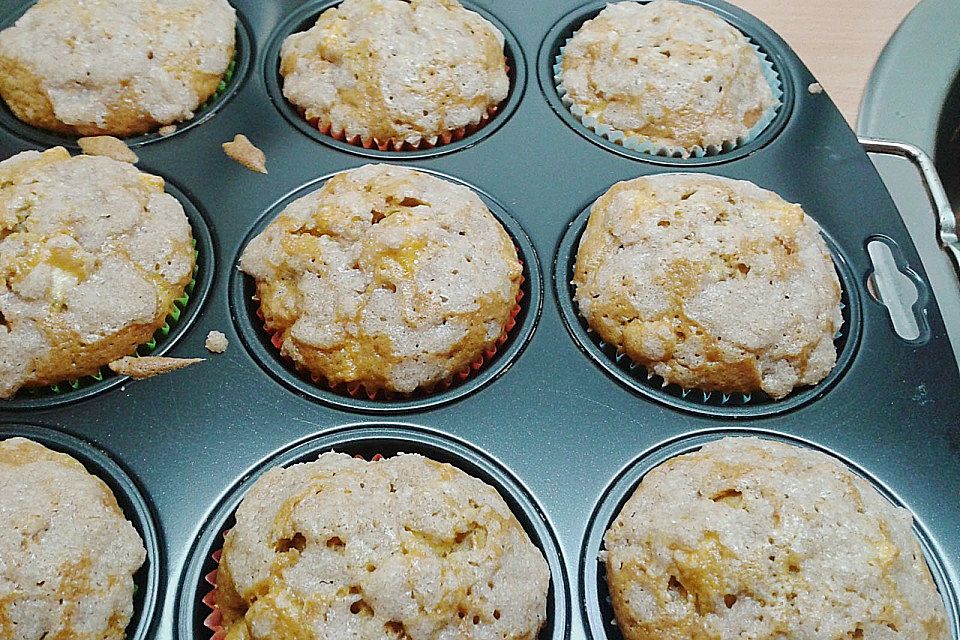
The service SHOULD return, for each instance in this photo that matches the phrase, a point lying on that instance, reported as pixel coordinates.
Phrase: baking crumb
(244, 152)
(216, 342)
(167, 129)
(140, 368)
(108, 146)
(815, 88)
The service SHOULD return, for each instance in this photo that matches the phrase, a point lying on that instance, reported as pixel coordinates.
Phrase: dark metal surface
(553, 430)
(914, 90)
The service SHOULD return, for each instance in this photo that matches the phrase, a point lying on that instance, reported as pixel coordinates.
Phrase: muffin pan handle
(946, 219)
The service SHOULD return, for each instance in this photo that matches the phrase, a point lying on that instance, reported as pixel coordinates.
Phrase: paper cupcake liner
(214, 620)
(173, 317)
(357, 389)
(643, 145)
(640, 373)
(402, 145)
(224, 82)
(392, 144)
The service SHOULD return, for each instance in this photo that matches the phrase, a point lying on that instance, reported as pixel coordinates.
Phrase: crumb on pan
(244, 152)
(166, 130)
(140, 368)
(815, 88)
(108, 146)
(216, 342)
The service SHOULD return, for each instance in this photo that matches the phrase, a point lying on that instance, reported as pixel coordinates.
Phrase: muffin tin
(554, 421)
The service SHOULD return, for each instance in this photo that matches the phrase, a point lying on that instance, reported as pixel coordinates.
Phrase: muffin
(67, 553)
(669, 74)
(392, 73)
(93, 254)
(403, 547)
(710, 283)
(114, 67)
(387, 278)
(748, 538)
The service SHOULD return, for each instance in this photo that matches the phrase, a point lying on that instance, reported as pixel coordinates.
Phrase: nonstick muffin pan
(555, 422)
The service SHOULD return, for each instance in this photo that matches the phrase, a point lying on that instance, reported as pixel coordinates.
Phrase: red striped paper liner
(356, 389)
(390, 144)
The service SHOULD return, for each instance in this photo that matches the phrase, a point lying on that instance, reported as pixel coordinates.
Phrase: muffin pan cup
(370, 441)
(552, 421)
(233, 78)
(265, 345)
(734, 405)
(306, 15)
(643, 145)
(150, 579)
(178, 320)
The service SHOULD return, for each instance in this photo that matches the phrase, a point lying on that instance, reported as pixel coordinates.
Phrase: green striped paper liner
(227, 77)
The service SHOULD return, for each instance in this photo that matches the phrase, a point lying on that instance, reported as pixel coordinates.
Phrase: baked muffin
(385, 277)
(114, 67)
(403, 547)
(670, 74)
(93, 254)
(710, 283)
(396, 72)
(67, 553)
(747, 538)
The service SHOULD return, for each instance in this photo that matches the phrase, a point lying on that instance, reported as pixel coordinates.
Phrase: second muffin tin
(550, 423)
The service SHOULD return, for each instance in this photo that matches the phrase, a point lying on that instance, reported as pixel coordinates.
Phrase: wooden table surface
(839, 40)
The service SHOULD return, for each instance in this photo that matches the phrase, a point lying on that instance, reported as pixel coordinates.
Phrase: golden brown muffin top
(385, 276)
(711, 283)
(67, 553)
(668, 72)
(396, 70)
(400, 547)
(89, 247)
(754, 538)
(95, 57)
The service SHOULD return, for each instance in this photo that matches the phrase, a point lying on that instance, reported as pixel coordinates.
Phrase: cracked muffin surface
(67, 552)
(93, 254)
(667, 72)
(749, 538)
(114, 67)
(710, 283)
(392, 70)
(385, 277)
(403, 547)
